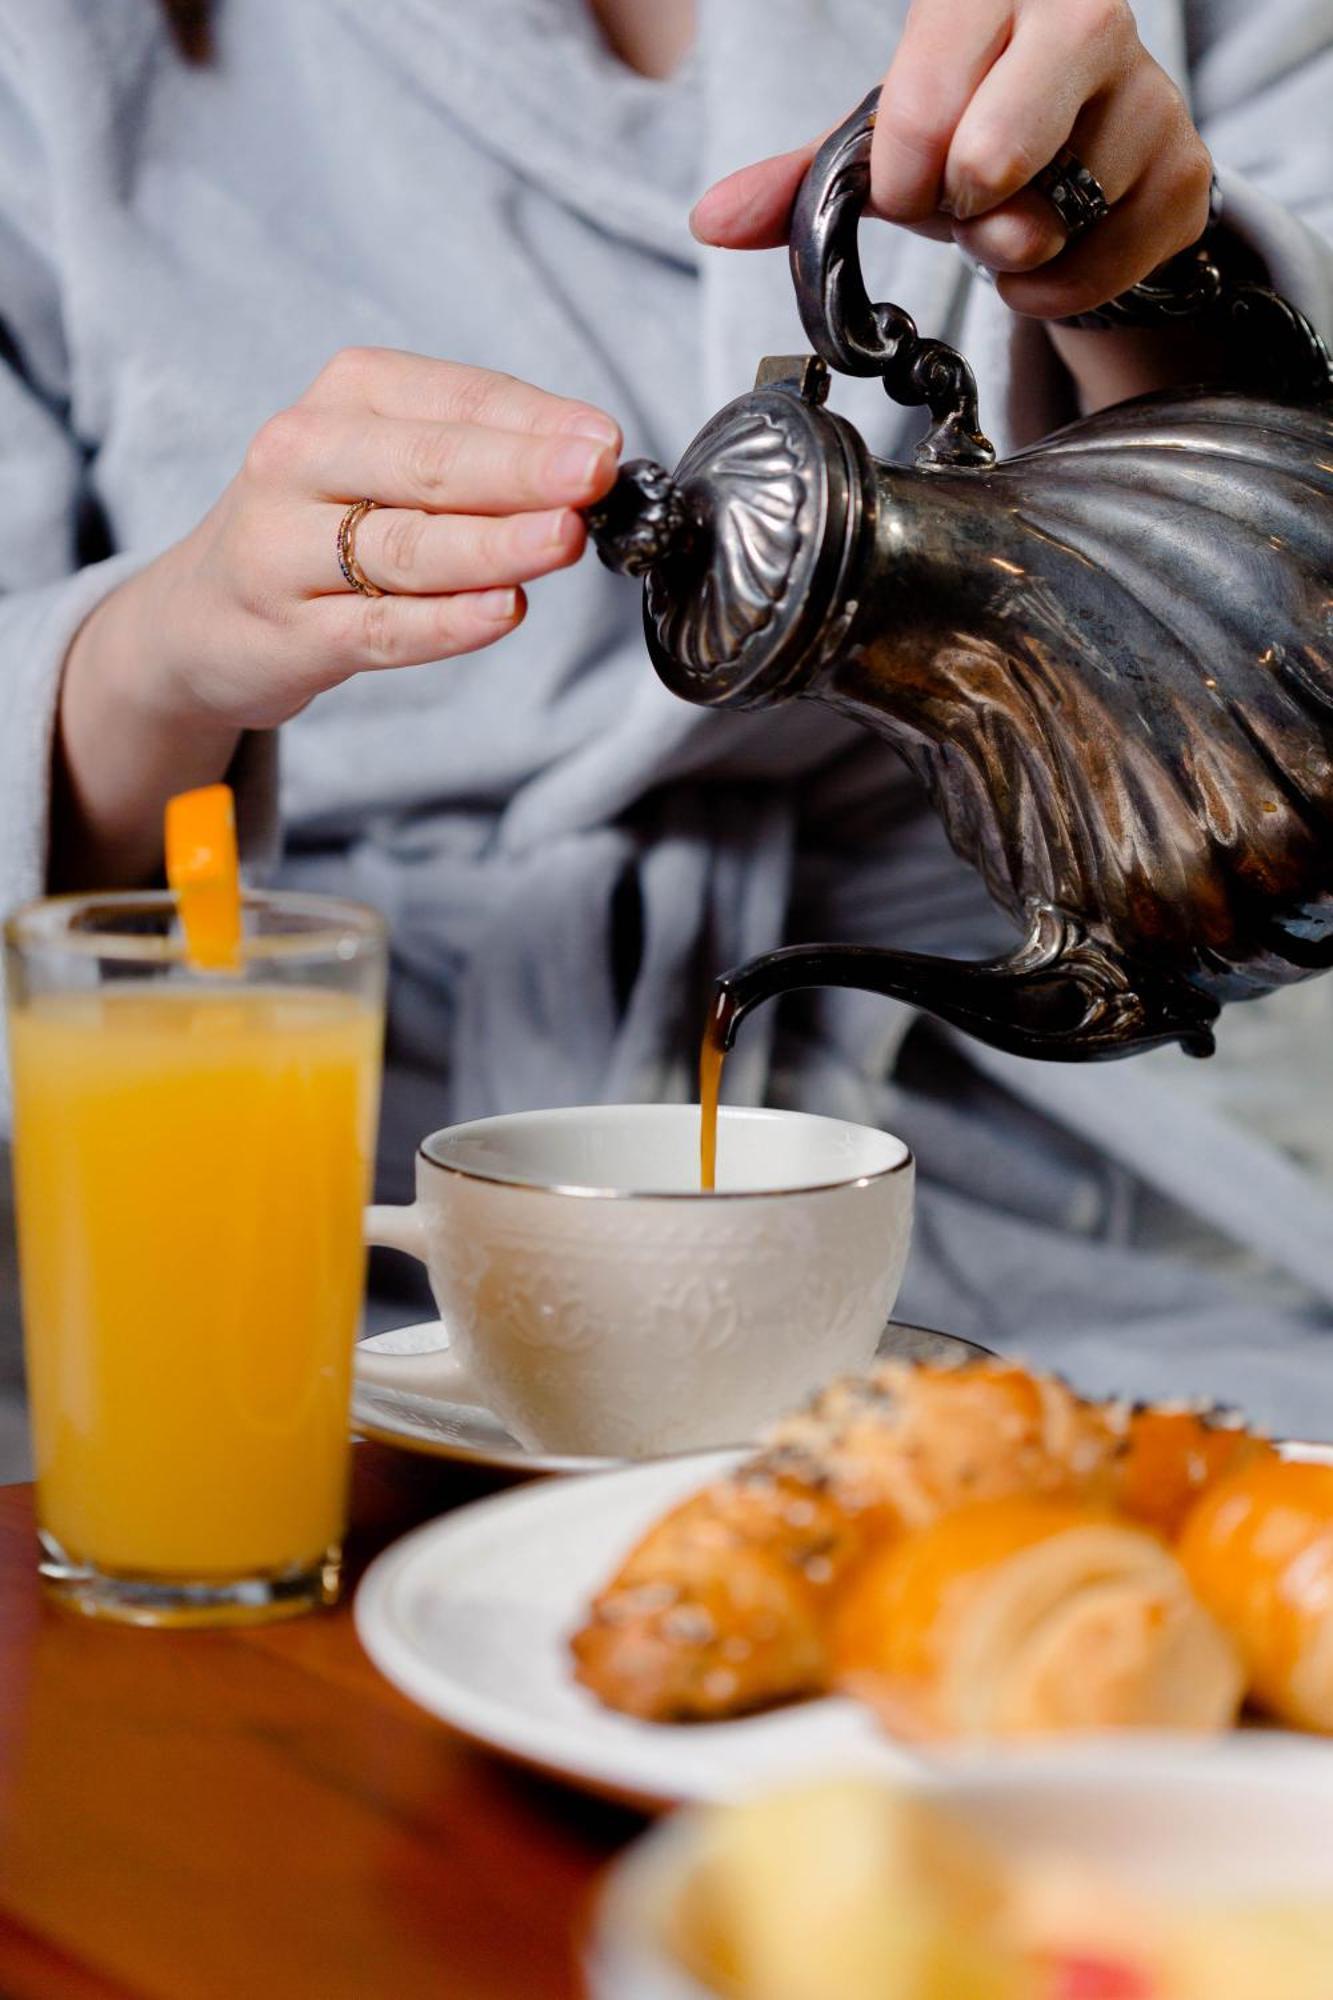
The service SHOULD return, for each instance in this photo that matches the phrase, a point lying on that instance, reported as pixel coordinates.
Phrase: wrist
(128, 735)
(125, 676)
(1112, 366)
(132, 647)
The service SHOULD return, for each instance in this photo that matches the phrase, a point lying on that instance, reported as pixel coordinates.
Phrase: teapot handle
(849, 332)
(1275, 348)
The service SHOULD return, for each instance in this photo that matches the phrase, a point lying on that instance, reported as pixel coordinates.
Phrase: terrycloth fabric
(567, 854)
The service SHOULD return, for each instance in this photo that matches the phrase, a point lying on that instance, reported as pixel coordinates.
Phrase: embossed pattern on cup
(591, 1319)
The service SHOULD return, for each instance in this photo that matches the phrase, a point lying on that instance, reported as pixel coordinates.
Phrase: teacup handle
(438, 1372)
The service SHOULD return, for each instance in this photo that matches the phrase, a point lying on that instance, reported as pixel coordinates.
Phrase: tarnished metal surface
(1110, 659)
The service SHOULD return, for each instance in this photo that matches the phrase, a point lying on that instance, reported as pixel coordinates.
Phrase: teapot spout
(1057, 996)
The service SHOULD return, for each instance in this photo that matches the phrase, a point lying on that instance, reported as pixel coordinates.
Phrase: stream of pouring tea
(712, 1055)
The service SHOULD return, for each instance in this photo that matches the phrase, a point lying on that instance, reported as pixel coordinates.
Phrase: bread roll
(1017, 1617)
(1258, 1550)
(1173, 1455)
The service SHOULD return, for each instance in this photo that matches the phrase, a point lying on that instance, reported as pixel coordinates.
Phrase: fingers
(1165, 212)
(1114, 137)
(1018, 236)
(441, 467)
(751, 209)
(937, 67)
(476, 478)
(1025, 108)
(370, 633)
(945, 52)
(413, 386)
(1137, 135)
(431, 555)
(977, 101)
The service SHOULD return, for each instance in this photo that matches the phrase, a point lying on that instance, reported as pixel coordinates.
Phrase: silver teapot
(1108, 658)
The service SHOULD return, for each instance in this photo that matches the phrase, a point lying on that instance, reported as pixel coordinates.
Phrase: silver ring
(1076, 195)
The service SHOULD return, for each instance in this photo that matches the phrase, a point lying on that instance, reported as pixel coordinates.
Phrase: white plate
(471, 1617)
(417, 1421)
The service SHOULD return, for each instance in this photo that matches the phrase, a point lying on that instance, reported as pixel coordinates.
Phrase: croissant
(720, 1608)
(1173, 1455)
(1258, 1551)
(1015, 1617)
(723, 1606)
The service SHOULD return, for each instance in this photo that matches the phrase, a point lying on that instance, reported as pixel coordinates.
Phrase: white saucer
(437, 1429)
(417, 1421)
(470, 1616)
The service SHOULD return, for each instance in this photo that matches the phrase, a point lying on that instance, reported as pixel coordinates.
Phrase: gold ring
(347, 562)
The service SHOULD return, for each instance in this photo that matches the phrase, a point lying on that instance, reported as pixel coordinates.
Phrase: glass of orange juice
(192, 1154)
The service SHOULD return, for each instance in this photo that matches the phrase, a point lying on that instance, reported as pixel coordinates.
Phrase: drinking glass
(192, 1152)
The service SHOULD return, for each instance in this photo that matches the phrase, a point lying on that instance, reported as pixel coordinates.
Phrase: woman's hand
(478, 478)
(978, 99)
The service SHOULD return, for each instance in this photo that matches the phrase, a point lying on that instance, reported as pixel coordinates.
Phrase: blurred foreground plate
(1244, 1818)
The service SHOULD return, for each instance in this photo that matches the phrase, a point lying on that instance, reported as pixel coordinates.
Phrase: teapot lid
(748, 545)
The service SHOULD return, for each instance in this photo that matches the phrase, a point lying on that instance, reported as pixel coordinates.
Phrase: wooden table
(248, 1813)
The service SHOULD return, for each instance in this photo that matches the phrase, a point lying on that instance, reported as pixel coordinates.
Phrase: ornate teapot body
(1110, 658)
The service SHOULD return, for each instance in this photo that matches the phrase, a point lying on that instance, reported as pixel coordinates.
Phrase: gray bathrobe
(566, 854)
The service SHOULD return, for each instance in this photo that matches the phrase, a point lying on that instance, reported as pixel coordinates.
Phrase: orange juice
(191, 1166)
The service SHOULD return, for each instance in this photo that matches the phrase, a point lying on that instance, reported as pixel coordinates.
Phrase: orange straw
(204, 874)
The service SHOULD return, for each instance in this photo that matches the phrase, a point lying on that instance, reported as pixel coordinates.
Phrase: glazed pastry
(1173, 1455)
(907, 1442)
(1017, 1617)
(1258, 1551)
(723, 1606)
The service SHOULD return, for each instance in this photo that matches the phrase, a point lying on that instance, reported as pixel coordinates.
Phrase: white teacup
(597, 1301)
